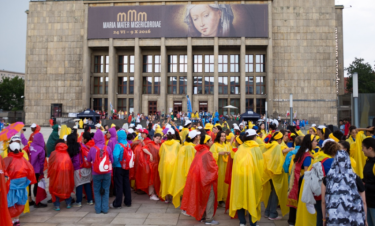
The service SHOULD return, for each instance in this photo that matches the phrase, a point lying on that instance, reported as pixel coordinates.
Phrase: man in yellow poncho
(185, 131)
(184, 159)
(168, 159)
(275, 180)
(246, 183)
(80, 124)
(220, 151)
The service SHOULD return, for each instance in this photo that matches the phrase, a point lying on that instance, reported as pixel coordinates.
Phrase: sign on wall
(203, 20)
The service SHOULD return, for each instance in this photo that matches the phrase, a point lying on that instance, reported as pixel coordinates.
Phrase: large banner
(155, 21)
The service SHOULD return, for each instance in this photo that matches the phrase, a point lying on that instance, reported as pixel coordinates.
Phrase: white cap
(132, 125)
(139, 126)
(250, 132)
(65, 137)
(321, 126)
(180, 127)
(328, 140)
(15, 138)
(241, 124)
(193, 134)
(130, 130)
(154, 127)
(171, 131)
(168, 126)
(236, 127)
(98, 125)
(75, 127)
(15, 146)
(199, 127)
(33, 125)
(313, 125)
(187, 122)
(235, 124)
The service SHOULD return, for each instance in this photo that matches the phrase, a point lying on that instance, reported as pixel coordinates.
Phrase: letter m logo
(130, 15)
(121, 17)
(141, 16)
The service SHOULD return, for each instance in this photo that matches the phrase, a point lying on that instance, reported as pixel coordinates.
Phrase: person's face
(144, 135)
(222, 137)
(262, 126)
(209, 143)
(205, 19)
(314, 143)
(353, 133)
(33, 129)
(320, 134)
(106, 127)
(285, 138)
(312, 132)
(108, 135)
(341, 122)
(157, 139)
(84, 141)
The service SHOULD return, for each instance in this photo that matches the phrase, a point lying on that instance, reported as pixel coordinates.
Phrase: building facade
(69, 62)
(10, 74)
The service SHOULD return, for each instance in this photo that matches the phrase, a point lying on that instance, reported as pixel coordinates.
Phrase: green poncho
(52, 139)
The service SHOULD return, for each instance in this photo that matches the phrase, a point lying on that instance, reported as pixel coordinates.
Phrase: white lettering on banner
(337, 61)
(135, 24)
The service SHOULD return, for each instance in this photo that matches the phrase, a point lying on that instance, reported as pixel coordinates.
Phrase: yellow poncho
(221, 160)
(273, 170)
(262, 145)
(80, 124)
(300, 133)
(64, 131)
(357, 154)
(185, 157)
(184, 132)
(168, 158)
(246, 183)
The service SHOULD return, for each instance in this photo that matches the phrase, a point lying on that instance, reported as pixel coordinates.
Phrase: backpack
(102, 164)
(127, 161)
(84, 153)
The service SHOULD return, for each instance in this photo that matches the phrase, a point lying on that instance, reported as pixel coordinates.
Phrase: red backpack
(127, 161)
(84, 153)
(102, 164)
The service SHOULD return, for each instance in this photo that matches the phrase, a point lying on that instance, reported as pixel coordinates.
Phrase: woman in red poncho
(5, 218)
(61, 174)
(200, 195)
(21, 175)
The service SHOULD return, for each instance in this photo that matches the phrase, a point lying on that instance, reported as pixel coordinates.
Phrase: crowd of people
(321, 178)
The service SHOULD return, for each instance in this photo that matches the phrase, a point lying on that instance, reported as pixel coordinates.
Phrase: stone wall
(304, 59)
(55, 32)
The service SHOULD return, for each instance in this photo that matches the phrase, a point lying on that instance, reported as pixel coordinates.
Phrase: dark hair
(370, 131)
(86, 136)
(245, 138)
(170, 136)
(331, 148)
(326, 134)
(227, 132)
(130, 136)
(369, 142)
(283, 131)
(117, 128)
(351, 128)
(346, 145)
(87, 129)
(149, 126)
(306, 144)
(297, 140)
(217, 138)
(157, 135)
(73, 145)
(219, 128)
(177, 137)
(338, 134)
(273, 137)
(188, 139)
(92, 135)
(60, 141)
(273, 126)
(187, 126)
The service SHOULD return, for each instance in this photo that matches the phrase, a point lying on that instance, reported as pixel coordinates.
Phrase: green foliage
(11, 93)
(366, 76)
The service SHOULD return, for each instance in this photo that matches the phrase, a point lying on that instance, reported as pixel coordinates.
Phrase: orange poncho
(5, 218)
(142, 168)
(61, 173)
(202, 175)
(153, 148)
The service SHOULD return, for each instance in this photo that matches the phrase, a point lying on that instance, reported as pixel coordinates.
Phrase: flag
(41, 191)
(189, 108)
(287, 114)
(295, 114)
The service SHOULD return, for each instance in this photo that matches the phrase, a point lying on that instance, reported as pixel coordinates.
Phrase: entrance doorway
(203, 106)
(152, 106)
(56, 110)
(177, 107)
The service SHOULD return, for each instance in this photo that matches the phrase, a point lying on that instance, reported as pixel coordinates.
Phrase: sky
(359, 32)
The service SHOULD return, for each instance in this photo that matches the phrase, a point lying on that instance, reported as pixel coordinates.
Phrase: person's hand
(151, 158)
(22, 131)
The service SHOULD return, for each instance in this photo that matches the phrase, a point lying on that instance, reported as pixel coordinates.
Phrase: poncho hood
(99, 139)
(122, 137)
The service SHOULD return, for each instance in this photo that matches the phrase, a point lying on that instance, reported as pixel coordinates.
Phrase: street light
(355, 99)
(291, 108)
(266, 119)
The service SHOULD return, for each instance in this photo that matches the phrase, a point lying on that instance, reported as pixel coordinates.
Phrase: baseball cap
(33, 125)
(130, 130)
(187, 122)
(192, 134)
(250, 132)
(171, 131)
(139, 126)
(98, 125)
(144, 131)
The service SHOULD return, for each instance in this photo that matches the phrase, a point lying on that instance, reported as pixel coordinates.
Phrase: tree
(12, 93)
(366, 76)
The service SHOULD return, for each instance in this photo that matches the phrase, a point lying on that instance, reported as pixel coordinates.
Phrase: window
(131, 105)
(259, 62)
(98, 64)
(234, 85)
(157, 85)
(147, 63)
(249, 81)
(131, 64)
(97, 104)
(106, 85)
(209, 63)
(172, 63)
(98, 85)
(260, 85)
(198, 63)
(131, 85)
(122, 85)
(183, 63)
(147, 85)
(261, 103)
(234, 63)
(121, 104)
(106, 64)
(209, 85)
(249, 104)
(197, 85)
(123, 64)
(223, 103)
(105, 104)
(249, 63)
(183, 85)
(236, 103)
(157, 63)
(223, 63)
(223, 85)
(172, 85)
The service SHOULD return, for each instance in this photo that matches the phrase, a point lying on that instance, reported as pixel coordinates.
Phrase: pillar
(269, 62)
(190, 70)
(162, 103)
(86, 67)
(137, 77)
(216, 74)
(242, 76)
(111, 77)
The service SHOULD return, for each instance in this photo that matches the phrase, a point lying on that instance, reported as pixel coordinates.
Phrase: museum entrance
(152, 106)
(203, 106)
(177, 107)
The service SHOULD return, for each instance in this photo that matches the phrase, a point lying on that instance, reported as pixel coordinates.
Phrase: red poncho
(5, 218)
(133, 146)
(153, 148)
(202, 175)
(61, 173)
(142, 168)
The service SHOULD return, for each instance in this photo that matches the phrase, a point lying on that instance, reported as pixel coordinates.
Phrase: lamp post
(355, 99)
(266, 117)
(291, 108)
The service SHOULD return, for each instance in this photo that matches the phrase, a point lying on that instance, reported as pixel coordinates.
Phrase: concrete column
(339, 43)
(86, 67)
(190, 69)
(137, 77)
(111, 77)
(269, 78)
(242, 76)
(216, 74)
(162, 103)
